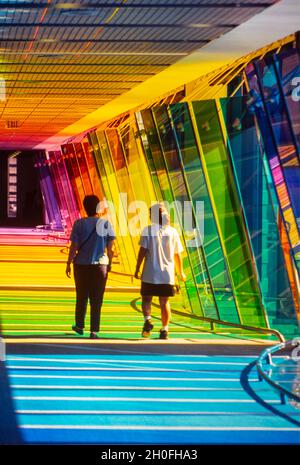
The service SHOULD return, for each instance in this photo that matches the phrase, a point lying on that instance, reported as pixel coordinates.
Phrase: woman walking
(160, 249)
(91, 253)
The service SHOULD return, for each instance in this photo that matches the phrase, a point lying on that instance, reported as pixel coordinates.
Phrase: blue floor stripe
(160, 437)
(237, 409)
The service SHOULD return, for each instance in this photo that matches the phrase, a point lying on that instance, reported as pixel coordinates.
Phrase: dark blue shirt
(93, 251)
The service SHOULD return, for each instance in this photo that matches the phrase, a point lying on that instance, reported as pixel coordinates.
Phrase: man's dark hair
(90, 203)
(159, 214)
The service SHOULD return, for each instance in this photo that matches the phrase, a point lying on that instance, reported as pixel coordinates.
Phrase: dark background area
(29, 197)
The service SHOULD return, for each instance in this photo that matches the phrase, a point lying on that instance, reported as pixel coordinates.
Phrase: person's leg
(82, 293)
(165, 311)
(97, 288)
(165, 316)
(146, 307)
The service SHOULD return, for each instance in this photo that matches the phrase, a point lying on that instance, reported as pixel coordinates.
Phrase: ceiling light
(14, 10)
(66, 6)
(80, 12)
(76, 9)
(48, 41)
(200, 25)
(50, 55)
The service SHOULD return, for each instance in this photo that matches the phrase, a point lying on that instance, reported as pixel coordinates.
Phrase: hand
(137, 274)
(68, 270)
(183, 277)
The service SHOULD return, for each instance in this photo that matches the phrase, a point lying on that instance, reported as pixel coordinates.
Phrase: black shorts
(157, 290)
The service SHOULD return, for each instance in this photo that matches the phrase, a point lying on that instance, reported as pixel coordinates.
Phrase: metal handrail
(267, 354)
(214, 322)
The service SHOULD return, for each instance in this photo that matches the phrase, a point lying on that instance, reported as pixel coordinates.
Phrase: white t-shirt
(161, 242)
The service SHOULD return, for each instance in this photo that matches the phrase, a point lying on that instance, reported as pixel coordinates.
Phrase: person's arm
(179, 266)
(110, 253)
(72, 253)
(178, 249)
(141, 256)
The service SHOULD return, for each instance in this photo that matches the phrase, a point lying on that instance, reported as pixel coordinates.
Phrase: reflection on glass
(155, 157)
(180, 193)
(287, 203)
(195, 181)
(247, 157)
(228, 212)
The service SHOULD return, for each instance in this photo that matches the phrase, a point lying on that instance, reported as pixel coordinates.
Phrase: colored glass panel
(83, 169)
(256, 105)
(196, 184)
(288, 68)
(247, 156)
(108, 196)
(119, 202)
(154, 154)
(74, 175)
(218, 174)
(53, 215)
(181, 194)
(71, 208)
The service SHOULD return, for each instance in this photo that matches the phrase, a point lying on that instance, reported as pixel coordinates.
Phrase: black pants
(90, 281)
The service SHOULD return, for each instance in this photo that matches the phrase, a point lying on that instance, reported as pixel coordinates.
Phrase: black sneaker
(77, 330)
(147, 328)
(94, 336)
(163, 334)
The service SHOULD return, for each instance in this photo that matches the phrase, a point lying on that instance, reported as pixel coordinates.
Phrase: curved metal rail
(266, 356)
(214, 322)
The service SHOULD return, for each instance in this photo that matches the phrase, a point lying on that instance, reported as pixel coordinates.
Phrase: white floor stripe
(137, 412)
(173, 356)
(21, 367)
(143, 378)
(138, 399)
(116, 388)
(113, 360)
(160, 428)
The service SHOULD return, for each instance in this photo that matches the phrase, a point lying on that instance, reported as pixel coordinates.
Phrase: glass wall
(228, 171)
(278, 115)
(66, 198)
(126, 181)
(260, 208)
(49, 191)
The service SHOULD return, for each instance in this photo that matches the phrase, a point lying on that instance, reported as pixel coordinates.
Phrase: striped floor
(120, 398)
(27, 313)
(121, 389)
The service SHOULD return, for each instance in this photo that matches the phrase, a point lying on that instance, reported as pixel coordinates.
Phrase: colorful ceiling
(60, 61)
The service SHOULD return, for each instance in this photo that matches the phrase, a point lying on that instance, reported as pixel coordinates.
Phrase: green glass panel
(247, 156)
(194, 176)
(148, 156)
(137, 167)
(154, 154)
(219, 174)
(181, 194)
